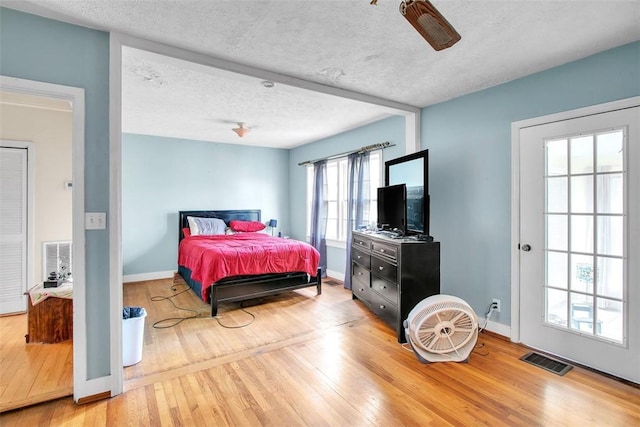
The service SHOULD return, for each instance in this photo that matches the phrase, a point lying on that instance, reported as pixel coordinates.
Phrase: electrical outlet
(496, 304)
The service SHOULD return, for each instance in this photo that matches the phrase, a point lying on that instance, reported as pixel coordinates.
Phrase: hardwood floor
(326, 360)
(31, 373)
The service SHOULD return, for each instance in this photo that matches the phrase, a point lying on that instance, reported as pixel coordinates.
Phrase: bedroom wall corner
(161, 176)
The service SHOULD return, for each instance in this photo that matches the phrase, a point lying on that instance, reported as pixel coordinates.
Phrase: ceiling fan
(430, 23)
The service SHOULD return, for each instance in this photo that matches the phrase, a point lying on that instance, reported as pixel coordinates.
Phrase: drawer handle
(382, 307)
(383, 287)
(361, 289)
(382, 250)
(381, 268)
(360, 273)
(359, 257)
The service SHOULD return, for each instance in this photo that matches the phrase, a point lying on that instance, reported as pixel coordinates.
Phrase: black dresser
(391, 276)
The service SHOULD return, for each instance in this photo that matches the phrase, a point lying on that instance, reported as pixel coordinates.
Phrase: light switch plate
(95, 220)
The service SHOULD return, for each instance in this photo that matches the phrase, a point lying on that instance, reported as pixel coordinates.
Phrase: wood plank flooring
(327, 361)
(31, 373)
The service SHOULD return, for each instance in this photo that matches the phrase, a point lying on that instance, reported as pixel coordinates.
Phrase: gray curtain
(358, 202)
(319, 211)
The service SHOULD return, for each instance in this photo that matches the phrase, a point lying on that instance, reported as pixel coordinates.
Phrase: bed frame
(241, 288)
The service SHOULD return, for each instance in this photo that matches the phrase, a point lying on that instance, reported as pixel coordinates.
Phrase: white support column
(413, 130)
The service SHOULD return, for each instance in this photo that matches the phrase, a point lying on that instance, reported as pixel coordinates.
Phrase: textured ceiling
(352, 45)
(173, 98)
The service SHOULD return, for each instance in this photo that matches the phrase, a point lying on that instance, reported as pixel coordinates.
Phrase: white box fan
(442, 328)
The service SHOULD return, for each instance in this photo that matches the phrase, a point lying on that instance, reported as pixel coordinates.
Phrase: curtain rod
(379, 146)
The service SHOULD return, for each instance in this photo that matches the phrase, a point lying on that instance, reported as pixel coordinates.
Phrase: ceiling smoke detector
(430, 23)
(241, 130)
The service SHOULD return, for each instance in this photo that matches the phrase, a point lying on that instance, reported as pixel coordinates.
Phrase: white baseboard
(496, 328)
(147, 276)
(336, 275)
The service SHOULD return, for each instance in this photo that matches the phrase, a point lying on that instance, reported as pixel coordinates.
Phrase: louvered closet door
(13, 229)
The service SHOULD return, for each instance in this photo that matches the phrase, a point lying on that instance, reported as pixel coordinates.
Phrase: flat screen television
(392, 208)
(413, 171)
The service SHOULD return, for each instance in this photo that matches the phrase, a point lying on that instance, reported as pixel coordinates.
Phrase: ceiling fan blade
(430, 23)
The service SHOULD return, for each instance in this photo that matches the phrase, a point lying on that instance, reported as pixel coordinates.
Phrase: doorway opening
(64, 224)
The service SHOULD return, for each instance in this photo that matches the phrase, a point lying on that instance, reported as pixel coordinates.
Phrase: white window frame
(341, 178)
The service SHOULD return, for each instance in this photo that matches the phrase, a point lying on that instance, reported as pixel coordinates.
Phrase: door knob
(526, 247)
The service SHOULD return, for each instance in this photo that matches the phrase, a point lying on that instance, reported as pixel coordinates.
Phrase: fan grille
(443, 327)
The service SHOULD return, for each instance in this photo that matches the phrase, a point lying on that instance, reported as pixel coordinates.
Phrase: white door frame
(515, 189)
(81, 386)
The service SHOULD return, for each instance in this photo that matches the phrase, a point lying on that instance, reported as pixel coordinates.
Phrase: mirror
(413, 171)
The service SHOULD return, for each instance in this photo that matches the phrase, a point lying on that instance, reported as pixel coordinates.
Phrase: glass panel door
(579, 218)
(584, 217)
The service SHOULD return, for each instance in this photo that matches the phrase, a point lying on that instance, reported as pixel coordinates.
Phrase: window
(337, 175)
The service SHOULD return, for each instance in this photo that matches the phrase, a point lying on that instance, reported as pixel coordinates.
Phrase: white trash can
(132, 334)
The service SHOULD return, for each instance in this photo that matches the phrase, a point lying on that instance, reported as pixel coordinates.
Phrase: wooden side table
(50, 320)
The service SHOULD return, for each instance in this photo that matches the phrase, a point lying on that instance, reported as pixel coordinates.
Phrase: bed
(213, 268)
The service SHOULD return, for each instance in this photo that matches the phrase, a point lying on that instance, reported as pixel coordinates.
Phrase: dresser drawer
(361, 257)
(384, 269)
(360, 275)
(384, 309)
(383, 249)
(387, 289)
(360, 283)
(360, 291)
(359, 242)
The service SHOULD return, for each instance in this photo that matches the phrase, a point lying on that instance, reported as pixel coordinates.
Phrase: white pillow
(206, 226)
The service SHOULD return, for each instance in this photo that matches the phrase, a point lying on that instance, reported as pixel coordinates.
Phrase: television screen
(392, 207)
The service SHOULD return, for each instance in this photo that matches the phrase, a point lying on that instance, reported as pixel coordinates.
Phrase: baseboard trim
(496, 328)
(336, 275)
(148, 276)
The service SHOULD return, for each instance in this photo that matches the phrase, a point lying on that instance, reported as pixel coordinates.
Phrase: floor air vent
(547, 363)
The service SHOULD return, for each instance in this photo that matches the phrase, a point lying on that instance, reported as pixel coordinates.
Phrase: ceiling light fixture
(241, 130)
(268, 84)
(430, 23)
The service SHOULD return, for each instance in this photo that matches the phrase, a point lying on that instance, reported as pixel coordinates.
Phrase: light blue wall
(469, 142)
(49, 51)
(161, 176)
(391, 129)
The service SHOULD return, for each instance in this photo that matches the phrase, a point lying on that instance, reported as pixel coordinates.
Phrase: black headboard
(226, 216)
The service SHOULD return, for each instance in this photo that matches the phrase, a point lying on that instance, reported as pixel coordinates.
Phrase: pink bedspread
(212, 258)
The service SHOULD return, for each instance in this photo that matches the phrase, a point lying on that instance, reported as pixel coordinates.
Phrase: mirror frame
(424, 154)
